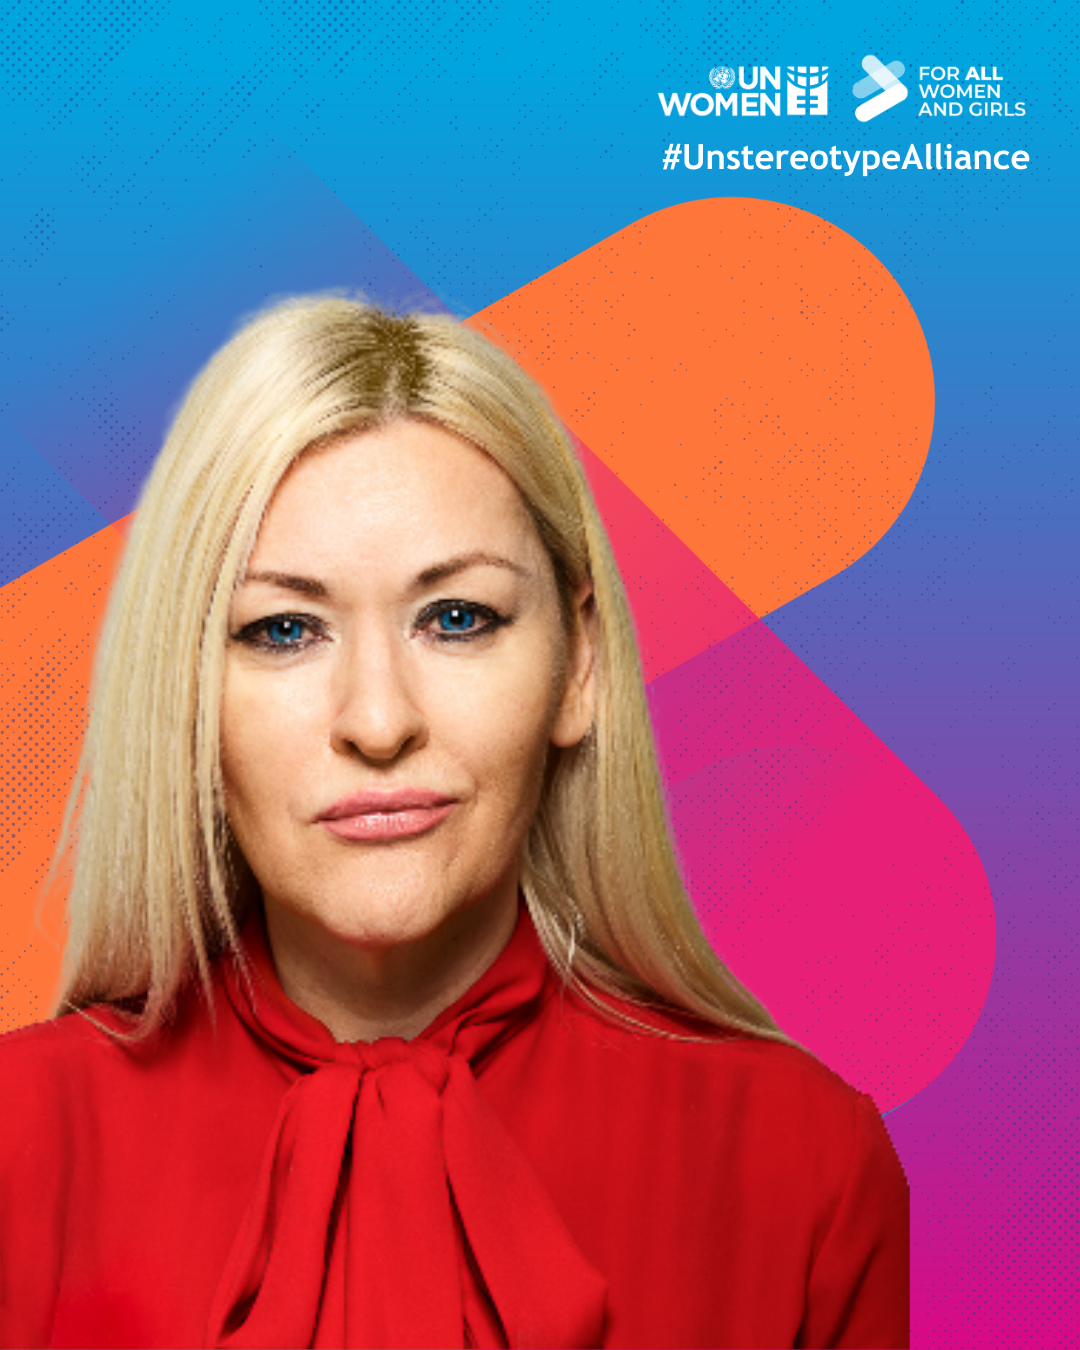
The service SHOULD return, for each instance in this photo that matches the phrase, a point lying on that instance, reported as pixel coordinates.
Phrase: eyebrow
(461, 562)
(288, 581)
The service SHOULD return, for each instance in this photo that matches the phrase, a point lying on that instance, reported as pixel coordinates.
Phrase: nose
(376, 713)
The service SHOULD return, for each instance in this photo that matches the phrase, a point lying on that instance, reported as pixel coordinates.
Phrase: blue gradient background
(169, 168)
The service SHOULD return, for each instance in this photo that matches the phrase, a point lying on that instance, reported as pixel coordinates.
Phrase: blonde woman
(387, 1021)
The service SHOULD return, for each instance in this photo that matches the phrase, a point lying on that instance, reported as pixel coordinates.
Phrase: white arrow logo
(883, 82)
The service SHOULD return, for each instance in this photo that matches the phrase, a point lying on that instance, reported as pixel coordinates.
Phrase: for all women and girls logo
(803, 91)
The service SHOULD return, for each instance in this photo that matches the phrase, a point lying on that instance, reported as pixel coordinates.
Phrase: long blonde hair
(156, 891)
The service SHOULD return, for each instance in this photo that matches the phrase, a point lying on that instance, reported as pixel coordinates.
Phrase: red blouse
(526, 1173)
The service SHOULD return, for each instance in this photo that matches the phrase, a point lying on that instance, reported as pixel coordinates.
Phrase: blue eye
(457, 619)
(284, 632)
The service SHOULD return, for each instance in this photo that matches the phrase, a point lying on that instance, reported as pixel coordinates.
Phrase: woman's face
(397, 669)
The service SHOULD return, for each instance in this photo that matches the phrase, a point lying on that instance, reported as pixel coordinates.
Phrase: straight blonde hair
(157, 889)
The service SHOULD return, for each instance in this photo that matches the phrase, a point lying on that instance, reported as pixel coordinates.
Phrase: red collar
(388, 1179)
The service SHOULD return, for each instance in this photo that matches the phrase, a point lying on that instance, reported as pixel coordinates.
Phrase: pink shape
(832, 881)
(685, 607)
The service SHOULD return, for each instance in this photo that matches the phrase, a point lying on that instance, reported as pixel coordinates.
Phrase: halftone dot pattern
(101, 426)
(751, 372)
(681, 605)
(58, 55)
(788, 813)
(832, 881)
(153, 193)
(44, 512)
(813, 811)
(50, 617)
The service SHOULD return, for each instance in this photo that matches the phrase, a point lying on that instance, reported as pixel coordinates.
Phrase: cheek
(241, 742)
(500, 724)
(264, 730)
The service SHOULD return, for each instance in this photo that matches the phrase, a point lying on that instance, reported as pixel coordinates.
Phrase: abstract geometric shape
(51, 617)
(135, 334)
(681, 606)
(43, 512)
(750, 371)
(836, 885)
(843, 892)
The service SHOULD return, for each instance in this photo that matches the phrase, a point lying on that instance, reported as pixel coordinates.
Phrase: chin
(391, 899)
(383, 921)
(390, 911)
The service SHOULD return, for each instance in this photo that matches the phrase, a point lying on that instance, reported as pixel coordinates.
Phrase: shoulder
(799, 1164)
(736, 1134)
(60, 1077)
(766, 1099)
(47, 1051)
(49, 1067)
(709, 1059)
(44, 1080)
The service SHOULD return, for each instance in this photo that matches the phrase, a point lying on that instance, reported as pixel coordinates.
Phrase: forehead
(400, 492)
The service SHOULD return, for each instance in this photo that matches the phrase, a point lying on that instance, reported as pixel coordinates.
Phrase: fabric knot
(390, 1188)
(388, 1050)
(432, 1064)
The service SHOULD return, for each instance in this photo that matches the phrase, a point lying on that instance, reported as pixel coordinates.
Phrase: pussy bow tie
(389, 1181)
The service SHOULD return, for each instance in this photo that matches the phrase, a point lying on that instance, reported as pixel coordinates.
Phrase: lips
(395, 813)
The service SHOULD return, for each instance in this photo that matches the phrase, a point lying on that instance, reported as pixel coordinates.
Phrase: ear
(578, 706)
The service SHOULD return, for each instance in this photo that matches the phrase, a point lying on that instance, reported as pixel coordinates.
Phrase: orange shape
(51, 618)
(750, 371)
